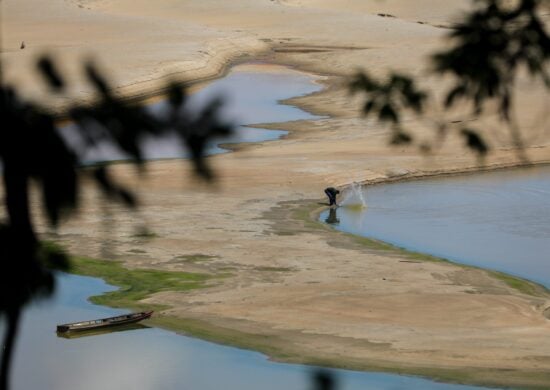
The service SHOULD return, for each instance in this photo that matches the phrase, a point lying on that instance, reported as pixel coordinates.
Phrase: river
(150, 358)
(496, 220)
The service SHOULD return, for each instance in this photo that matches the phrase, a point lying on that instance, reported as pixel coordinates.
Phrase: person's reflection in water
(323, 380)
(332, 218)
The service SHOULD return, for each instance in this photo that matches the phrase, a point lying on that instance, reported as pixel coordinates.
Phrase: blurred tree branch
(489, 48)
(32, 150)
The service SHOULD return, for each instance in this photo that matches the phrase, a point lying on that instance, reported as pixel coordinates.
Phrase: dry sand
(320, 296)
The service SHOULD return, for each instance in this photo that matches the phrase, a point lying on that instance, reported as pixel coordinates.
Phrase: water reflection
(332, 217)
(151, 359)
(498, 220)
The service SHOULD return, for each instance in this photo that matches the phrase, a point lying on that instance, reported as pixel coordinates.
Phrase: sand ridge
(320, 294)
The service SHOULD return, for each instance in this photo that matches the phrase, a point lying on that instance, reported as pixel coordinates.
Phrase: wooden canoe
(104, 322)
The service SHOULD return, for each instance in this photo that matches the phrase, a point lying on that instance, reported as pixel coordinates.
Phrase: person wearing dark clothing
(331, 193)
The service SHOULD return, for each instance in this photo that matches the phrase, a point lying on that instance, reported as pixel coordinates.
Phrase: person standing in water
(331, 192)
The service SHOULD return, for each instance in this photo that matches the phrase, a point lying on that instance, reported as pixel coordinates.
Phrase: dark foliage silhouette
(489, 48)
(387, 100)
(33, 151)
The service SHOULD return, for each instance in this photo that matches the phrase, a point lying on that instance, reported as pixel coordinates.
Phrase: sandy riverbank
(312, 291)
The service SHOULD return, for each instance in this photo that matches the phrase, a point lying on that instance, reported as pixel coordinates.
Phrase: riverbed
(150, 358)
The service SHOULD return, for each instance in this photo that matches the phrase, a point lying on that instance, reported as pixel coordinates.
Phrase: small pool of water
(250, 94)
(152, 359)
(497, 220)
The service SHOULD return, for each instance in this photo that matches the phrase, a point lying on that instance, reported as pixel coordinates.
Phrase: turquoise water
(152, 359)
(497, 220)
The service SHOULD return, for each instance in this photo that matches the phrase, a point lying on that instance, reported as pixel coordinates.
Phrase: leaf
(400, 138)
(176, 95)
(454, 94)
(97, 80)
(367, 108)
(111, 189)
(51, 74)
(363, 82)
(387, 113)
(53, 256)
(474, 141)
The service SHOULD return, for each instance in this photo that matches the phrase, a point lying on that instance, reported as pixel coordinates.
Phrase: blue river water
(248, 96)
(150, 358)
(497, 220)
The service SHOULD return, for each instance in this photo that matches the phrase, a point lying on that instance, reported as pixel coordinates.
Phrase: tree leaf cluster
(488, 49)
(32, 150)
(387, 100)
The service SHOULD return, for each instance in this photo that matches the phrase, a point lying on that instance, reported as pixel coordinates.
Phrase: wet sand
(318, 295)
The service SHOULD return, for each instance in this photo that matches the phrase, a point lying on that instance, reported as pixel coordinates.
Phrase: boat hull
(104, 322)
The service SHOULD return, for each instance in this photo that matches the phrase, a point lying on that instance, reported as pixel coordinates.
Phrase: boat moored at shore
(104, 322)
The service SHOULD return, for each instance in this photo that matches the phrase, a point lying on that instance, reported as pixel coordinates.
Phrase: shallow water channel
(250, 94)
(497, 220)
(150, 358)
